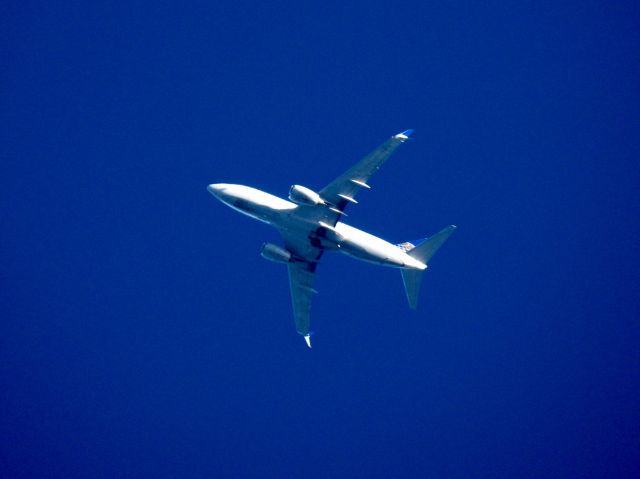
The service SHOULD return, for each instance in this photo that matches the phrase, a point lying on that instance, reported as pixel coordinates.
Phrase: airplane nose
(216, 188)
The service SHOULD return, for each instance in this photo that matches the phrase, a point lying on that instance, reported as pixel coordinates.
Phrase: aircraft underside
(310, 224)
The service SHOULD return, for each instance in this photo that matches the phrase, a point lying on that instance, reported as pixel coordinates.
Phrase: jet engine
(273, 252)
(304, 196)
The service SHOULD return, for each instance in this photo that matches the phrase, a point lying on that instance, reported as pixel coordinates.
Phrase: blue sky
(143, 335)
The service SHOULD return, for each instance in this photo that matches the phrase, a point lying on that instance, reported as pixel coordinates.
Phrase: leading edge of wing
(342, 191)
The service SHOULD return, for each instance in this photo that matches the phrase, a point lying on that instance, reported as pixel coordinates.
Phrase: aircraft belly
(372, 249)
(253, 211)
(370, 255)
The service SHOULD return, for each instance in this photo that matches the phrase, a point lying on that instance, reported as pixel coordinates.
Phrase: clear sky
(141, 334)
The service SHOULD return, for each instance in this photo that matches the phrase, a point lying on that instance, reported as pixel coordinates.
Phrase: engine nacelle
(273, 252)
(304, 196)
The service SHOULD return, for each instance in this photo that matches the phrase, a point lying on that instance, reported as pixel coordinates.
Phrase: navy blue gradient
(142, 335)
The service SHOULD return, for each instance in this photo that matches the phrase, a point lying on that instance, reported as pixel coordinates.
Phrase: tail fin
(423, 252)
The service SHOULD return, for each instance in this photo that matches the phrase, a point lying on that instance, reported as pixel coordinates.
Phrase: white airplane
(309, 225)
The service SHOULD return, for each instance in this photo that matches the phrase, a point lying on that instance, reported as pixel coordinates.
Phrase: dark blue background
(142, 334)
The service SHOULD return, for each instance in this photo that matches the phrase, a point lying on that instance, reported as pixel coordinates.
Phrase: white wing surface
(337, 194)
(301, 278)
(342, 191)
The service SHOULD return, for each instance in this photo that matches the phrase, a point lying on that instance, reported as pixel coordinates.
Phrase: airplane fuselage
(292, 218)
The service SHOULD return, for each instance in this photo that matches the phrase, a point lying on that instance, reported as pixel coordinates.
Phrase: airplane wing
(338, 194)
(301, 278)
(342, 191)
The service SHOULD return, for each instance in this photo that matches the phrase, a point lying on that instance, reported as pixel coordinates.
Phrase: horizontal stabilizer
(425, 250)
(423, 253)
(412, 279)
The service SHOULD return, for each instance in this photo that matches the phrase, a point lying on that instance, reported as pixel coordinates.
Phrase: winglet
(404, 135)
(307, 338)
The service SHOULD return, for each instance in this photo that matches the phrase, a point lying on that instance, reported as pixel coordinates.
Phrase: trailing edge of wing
(342, 191)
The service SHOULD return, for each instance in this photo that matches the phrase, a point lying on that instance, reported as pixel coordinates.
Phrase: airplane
(310, 225)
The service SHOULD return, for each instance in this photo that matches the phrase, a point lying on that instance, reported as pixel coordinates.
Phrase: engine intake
(304, 196)
(273, 252)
